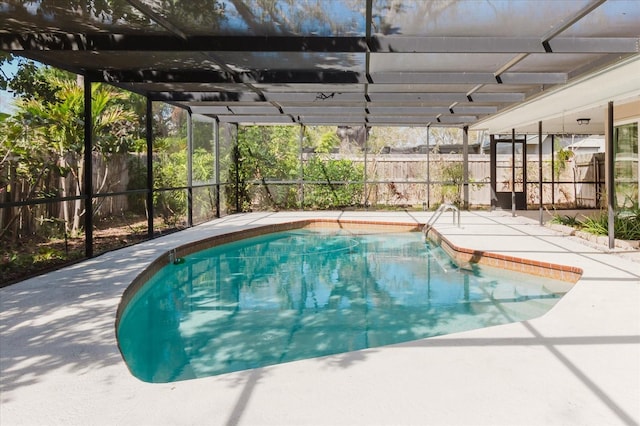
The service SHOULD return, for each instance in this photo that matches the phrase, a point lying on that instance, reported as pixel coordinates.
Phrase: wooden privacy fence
(401, 179)
(390, 180)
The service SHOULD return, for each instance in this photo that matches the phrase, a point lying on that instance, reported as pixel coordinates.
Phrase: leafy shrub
(47, 253)
(597, 225)
(343, 185)
(626, 224)
(170, 171)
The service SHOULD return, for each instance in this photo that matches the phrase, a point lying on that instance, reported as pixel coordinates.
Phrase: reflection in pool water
(307, 293)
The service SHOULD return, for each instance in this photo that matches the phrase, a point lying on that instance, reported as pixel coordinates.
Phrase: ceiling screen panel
(266, 18)
(310, 61)
(116, 16)
(470, 18)
(437, 62)
(565, 62)
(617, 18)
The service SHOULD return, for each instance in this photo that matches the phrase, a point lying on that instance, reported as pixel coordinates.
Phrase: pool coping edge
(462, 256)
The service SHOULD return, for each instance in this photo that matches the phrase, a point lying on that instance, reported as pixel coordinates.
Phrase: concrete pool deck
(579, 364)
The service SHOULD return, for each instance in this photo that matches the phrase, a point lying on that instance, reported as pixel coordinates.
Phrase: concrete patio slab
(579, 364)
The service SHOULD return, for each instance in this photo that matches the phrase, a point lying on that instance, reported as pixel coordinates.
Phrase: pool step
(442, 259)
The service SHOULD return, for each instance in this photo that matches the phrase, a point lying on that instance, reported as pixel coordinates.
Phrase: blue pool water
(307, 293)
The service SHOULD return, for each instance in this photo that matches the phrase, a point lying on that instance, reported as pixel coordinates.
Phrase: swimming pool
(307, 293)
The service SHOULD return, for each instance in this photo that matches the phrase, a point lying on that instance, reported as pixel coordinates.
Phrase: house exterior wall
(626, 112)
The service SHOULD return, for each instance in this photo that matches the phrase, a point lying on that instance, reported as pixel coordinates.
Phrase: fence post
(609, 156)
(88, 170)
(149, 140)
(428, 169)
(189, 169)
(553, 171)
(539, 168)
(301, 175)
(216, 143)
(465, 167)
(513, 172)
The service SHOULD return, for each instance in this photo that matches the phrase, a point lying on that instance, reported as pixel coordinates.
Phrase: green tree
(328, 141)
(264, 154)
(170, 171)
(52, 139)
(341, 183)
(29, 81)
(452, 175)
(321, 139)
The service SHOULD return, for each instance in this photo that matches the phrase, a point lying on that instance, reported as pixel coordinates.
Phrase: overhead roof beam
(333, 120)
(169, 43)
(264, 119)
(323, 110)
(214, 76)
(374, 108)
(347, 98)
(498, 97)
(377, 44)
(222, 97)
(318, 98)
(164, 76)
(467, 78)
(423, 119)
(418, 44)
(261, 109)
(414, 110)
(421, 97)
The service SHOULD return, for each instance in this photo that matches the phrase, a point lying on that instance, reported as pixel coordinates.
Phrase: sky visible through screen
(6, 98)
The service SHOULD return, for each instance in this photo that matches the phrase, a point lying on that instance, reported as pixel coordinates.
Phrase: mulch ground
(29, 256)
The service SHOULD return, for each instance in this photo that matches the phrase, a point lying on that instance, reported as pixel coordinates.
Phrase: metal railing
(436, 215)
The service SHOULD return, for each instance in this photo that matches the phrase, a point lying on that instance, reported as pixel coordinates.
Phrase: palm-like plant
(58, 129)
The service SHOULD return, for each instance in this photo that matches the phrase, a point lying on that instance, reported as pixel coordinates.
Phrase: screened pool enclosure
(284, 105)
